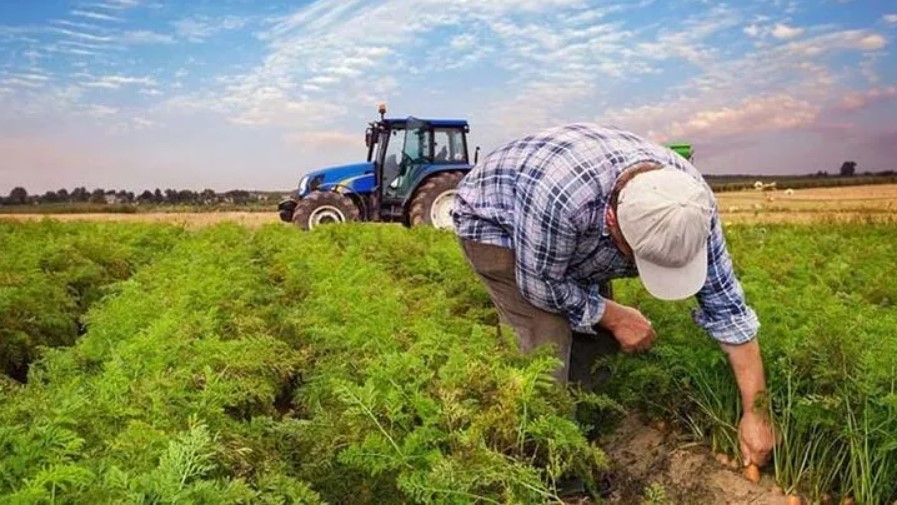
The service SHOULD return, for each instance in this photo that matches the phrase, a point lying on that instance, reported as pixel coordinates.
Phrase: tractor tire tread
(305, 207)
(426, 194)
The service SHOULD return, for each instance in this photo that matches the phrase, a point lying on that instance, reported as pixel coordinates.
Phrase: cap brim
(678, 283)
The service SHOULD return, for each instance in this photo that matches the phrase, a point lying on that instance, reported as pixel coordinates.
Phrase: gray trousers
(535, 327)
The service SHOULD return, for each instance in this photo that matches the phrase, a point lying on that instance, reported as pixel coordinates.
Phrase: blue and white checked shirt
(545, 196)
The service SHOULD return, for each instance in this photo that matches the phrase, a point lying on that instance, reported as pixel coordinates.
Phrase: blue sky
(239, 93)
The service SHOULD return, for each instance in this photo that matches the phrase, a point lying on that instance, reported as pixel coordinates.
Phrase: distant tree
(158, 197)
(122, 196)
(821, 173)
(238, 196)
(848, 168)
(187, 196)
(98, 196)
(49, 197)
(208, 196)
(145, 197)
(171, 196)
(18, 196)
(62, 195)
(80, 194)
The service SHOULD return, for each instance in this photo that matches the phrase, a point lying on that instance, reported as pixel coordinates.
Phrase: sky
(224, 94)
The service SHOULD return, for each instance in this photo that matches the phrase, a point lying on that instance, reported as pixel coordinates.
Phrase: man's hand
(629, 326)
(755, 431)
(756, 435)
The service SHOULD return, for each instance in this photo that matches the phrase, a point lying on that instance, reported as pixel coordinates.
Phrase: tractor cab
(405, 152)
(413, 166)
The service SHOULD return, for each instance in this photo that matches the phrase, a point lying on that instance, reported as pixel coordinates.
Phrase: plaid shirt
(545, 197)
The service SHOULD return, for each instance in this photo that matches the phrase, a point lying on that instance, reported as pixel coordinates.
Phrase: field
(846, 202)
(183, 362)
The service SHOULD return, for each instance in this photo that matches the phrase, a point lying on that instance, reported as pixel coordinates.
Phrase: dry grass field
(877, 202)
(805, 205)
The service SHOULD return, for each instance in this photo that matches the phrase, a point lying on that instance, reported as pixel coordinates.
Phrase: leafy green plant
(829, 350)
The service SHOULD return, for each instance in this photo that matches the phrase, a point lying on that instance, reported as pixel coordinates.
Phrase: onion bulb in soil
(793, 499)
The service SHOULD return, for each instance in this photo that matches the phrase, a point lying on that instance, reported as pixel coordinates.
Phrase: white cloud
(319, 49)
(463, 42)
(145, 37)
(100, 111)
(890, 19)
(91, 46)
(762, 113)
(22, 82)
(784, 32)
(76, 24)
(847, 40)
(80, 35)
(142, 122)
(117, 81)
(692, 118)
(99, 16)
(115, 4)
(752, 30)
(31, 76)
(856, 100)
(871, 42)
(200, 28)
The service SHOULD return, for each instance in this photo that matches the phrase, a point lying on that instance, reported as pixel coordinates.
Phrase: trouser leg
(588, 349)
(533, 326)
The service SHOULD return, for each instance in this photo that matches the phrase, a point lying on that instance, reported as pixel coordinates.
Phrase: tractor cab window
(392, 142)
(448, 146)
(415, 154)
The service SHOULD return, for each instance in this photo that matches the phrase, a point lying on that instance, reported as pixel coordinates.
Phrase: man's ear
(610, 218)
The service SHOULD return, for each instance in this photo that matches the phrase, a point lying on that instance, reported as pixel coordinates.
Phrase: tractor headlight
(303, 185)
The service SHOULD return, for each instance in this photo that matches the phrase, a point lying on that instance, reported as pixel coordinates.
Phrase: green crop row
(828, 305)
(363, 364)
(354, 364)
(50, 273)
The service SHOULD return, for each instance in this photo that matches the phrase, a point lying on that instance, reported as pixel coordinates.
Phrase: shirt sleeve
(545, 240)
(722, 310)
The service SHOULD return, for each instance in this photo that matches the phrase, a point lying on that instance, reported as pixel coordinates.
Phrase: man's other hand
(629, 326)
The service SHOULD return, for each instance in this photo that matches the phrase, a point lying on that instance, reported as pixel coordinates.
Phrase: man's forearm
(747, 364)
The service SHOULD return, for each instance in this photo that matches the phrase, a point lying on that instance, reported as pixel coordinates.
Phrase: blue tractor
(413, 167)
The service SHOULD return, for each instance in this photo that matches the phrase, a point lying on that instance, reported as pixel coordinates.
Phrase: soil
(687, 472)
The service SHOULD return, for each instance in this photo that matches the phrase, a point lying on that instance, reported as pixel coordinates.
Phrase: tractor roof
(438, 123)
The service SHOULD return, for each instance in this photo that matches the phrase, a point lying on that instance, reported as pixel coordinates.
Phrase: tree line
(20, 196)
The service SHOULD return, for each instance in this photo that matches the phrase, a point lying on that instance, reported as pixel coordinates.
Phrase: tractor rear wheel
(432, 203)
(324, 207)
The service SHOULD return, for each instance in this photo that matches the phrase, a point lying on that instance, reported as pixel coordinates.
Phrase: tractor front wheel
(324, 207)
(432, 203)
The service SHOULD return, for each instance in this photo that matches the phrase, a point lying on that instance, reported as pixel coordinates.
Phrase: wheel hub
(441, 210)
(325, 214)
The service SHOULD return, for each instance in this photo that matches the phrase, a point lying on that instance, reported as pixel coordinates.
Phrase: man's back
(572, 167)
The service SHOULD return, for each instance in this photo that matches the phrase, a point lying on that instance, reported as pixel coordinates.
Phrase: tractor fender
(358, 188)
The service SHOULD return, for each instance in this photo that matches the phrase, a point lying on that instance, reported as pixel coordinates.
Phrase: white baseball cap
(665, 215)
